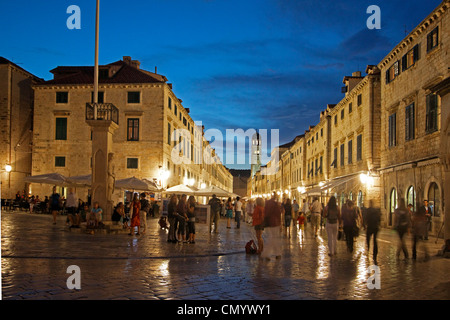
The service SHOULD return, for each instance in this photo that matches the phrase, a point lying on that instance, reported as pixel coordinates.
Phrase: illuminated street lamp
(8, 168)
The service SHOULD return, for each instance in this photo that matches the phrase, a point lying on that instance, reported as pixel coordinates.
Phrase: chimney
(356, 74)
(133, 63)
(156, 70)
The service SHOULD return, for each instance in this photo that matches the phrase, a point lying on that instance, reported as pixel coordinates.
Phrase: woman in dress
(229, 214)
(258, 223)
(135, 217)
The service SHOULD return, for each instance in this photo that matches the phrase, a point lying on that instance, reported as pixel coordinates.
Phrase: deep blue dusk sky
(262, 64)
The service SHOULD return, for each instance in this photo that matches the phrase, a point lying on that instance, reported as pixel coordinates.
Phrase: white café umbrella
(83, 181)
(134, 184)
(211, 190)
(54, 178)
(181, 189)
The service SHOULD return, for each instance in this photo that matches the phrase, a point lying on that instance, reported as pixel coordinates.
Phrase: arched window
(360, 200)
(411, 197)
(434, 199)
(350, 195)
(392, 204)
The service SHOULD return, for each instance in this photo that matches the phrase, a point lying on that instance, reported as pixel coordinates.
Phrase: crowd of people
(269, 217)
(340, 223)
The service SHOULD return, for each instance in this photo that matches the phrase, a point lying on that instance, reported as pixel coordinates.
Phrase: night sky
(261, 64)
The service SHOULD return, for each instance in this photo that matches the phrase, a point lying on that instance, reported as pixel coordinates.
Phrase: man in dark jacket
(372, 225)
(425, 210)
(216, 206)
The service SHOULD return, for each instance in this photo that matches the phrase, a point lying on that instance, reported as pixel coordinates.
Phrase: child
(163, 223)
(301, 223)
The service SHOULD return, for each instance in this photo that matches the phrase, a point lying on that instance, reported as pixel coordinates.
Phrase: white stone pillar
(102, 165)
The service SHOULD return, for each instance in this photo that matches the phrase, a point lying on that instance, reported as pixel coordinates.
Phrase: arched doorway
(392, 204)
(411, 197)
(434, 199)
(360, 199)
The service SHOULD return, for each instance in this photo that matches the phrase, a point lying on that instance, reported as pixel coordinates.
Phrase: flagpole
(96, 58)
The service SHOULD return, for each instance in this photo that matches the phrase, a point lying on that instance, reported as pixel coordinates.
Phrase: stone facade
(411, 166)
(16, 113)
(388, 137)
(150, 121)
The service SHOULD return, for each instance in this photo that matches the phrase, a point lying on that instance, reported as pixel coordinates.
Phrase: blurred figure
(316, 210)
(419, 231)
(272, 224)
(287, 216)
(249, 210)
(172, 215)
(402, 224)
(215, 205)
(229, 214)
(258, 223)
(135, 221)
(426, 211)
(372, 225)
(332, 215)
(350, 225)
(143, 212)
(190, 212)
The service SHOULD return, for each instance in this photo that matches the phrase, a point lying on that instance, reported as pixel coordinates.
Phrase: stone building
(156, 134)
(354, 140)
(411, 119)
(16, 115)
(389, 137)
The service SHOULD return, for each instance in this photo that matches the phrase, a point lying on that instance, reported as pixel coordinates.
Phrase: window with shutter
(350, 151)
(409, 122)
(433, 39)
(133, 130)
(61, 129)
(392, 130)
(359, 147)
(431, 117)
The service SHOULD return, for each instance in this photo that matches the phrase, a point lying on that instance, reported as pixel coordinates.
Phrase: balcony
(102, 111)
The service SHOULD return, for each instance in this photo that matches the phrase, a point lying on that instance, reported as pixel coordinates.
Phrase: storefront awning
(337, 182)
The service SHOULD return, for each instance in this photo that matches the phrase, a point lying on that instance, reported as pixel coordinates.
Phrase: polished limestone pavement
(36, 255)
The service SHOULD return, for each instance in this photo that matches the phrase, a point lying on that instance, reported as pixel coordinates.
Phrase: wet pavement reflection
(36, 255)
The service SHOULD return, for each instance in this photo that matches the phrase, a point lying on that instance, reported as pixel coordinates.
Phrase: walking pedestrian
(332, 215)
(295, 211)
(272, 223)
(72, 209)
(145, 209)
(349, 221)
(250, 209)
(258, 223)
(402, 224)
(426, 210)
(135, 215)
(55, 204)
(301, 224)
(238, 212)
(190, 212)
(305, 210)
(182, 218)
(372, 225)
(419, 227)
(172, 216)
(229, 214)
(316, 210)
(287, 217)
(215, 205)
